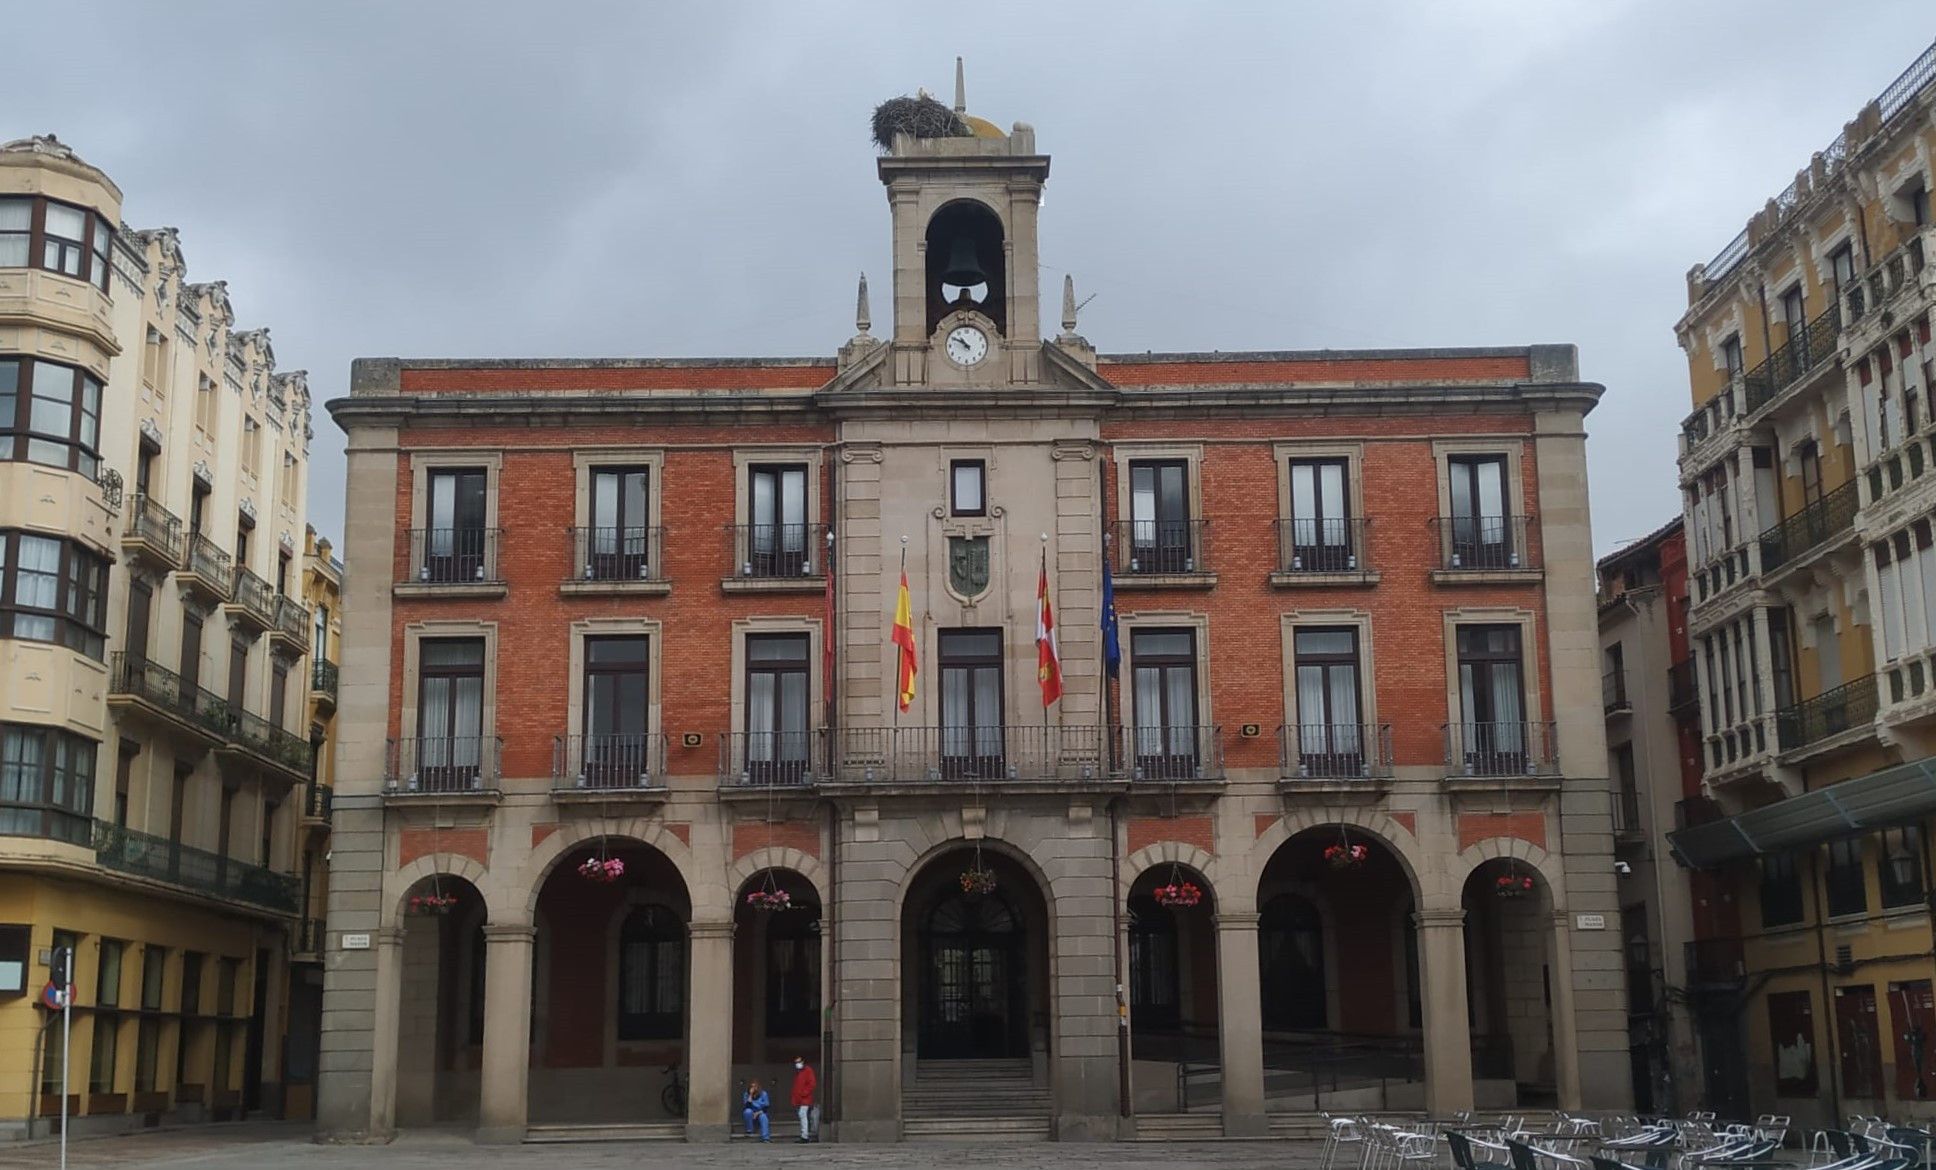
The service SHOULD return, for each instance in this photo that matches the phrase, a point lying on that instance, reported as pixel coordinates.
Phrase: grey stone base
(1246, 1125)
(499, 1135)
(710, 1132)
(1078, 1127)
(871, 1131)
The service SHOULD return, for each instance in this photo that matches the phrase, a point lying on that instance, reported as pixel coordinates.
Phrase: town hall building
(629, 809)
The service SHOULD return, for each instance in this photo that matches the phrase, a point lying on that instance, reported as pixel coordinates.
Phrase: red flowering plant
(1178, 894)
(432, 903)
(1513, 885)
(977, 880)
(603, 870)
(769, 899)
(1345, 855)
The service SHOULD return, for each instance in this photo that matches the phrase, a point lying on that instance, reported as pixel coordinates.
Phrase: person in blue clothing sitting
(753, 1107)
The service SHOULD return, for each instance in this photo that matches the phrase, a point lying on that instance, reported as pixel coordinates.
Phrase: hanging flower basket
(1178, 894)
(432, 903)
(1513, 885)
(1346, 856)
(977, 880)
(603, 870)
(769, 900)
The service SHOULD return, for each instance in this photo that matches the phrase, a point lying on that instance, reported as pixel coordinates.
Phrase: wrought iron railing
(1500, 748)
(765, 759)
(1729, 257)
(207, 561)
(197, 870)
(1901, 91)
(1808, 347)
(989, 752)
(1886, 278)
(254, 595)
(1851, 705)
(318, 801)
(450, 764)
(1683, 695)
(1160, 547)
(617, 554)
(323, 678)
(1334, 751)
(1334, 545)
(157, 685)
(150, 522)
(777, 552)
(1626, 811)
(269, 741)
(1172, 752)
(1613, 691)
(1482, 543)
(1713, 416)
(452, 556)
(292, 620)
(1817, 522)
(1716, 961)
(608, 762)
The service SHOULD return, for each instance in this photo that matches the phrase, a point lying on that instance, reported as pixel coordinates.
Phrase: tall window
(1781, 890)
(1290, 944)
(278, 713)
(51, 414)
(1845, 881)
(1794, 311)
(1899, 866)
(651, 975)
(1732, 359)
(46, 783)
(251, 445)
(793, 972)
(191, 652)
(1492, 699)
(205, 403)
(778, 707)
(777, 512)
(107, 1023)
(1808, 456)
(1320, 511)
(319, 640)
(1164, 690)
(971, 702)
(967, 487)
(1330, 738)
(147, 1044)
(1842, 265)
(454, 541)
(1481, 529)
(620, 537)
(1153, 980)
(154, 359)
(450, 712)
(616, 674)
(58, 237)
(53, 590)
(1160, 537)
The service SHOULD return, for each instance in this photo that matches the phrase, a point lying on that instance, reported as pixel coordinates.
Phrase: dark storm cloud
(563, 179)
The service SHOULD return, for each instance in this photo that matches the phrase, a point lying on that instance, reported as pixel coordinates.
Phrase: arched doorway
(1338, 975)
(609, 1018)
(1509, 983)
(776, 976)
(1174, 1016)
(440, 1024)
(975, 931)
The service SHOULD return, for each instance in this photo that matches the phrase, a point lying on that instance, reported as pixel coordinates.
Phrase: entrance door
(971, 704)
(973, 1007)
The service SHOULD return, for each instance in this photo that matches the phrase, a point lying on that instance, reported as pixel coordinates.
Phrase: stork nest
(923, 117)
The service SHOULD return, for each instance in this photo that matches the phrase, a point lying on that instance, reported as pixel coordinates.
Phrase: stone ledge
(1487, 576)
(814, 584)
(1132, 582)
(611, 588)
(449, 589)
(1283, 579)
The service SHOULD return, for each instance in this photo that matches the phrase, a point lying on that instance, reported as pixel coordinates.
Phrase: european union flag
(1112, 648)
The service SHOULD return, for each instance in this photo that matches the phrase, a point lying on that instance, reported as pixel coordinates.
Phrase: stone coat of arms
(968, 565)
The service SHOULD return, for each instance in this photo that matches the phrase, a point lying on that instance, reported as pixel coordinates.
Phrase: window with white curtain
(1165, 692)
(1329, 723)
(778, 706)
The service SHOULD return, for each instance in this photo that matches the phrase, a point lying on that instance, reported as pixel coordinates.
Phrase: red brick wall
(1317, 370)
(1525, 826)
(412, 843)
(801, 835)
(567, 378)
(1197, 831)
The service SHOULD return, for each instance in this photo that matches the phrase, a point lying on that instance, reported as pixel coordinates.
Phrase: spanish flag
(904, 638)
(1048, 657)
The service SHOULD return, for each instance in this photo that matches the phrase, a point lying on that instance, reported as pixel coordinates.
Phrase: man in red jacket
(804, 1083)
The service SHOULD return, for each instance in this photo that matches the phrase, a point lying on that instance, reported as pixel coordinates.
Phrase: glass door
(1481, 528)
(971, 703)
(1159, 514)
(1320, 529)
(777, 509)
(777, 709)
(454, 541)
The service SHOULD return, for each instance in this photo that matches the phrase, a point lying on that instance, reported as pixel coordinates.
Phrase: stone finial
(961, 90)
(1068, 303)
(863, 318)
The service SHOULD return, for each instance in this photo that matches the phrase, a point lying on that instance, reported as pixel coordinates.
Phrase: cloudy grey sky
(618, 179)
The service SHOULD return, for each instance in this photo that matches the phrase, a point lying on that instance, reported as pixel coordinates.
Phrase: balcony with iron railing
(1711, 579)
(1353, 752)
(319, 800)
(153, 534)
(615, 560)
(261, 744)
(606, 765)
(1029, 755)
(1482, 549)
(1626, 813)
(444, 766)
(291, 631)
(1714, 426)
(1500, 749)
(1683, 693)
(1613, 692)
(1814, 724)
(759, 760)
(1152, 553)
(1821, 523)
(252, 602)
(196, 871)
(206, 571)
(1894, 289)
(140, 686)
(323, 680)
(1810, 349)
(776, 557)
(1331, 550)
(451, 560)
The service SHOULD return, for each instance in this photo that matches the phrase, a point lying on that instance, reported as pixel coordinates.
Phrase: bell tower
(967, 301)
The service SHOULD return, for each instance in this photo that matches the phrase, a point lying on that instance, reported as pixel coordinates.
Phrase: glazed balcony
(252, 603)
(1808, 351)
(1500, 750)
(596, 766)
(759, 760)
(1154, 554)
(153, 535)
(1333, 751)
(444, 766)
(961, 755)
(1891, 476)
(776, 557)
(291, 632)
(1820, 524)
(1330, 551)
(1815, 725)
(1738, 749)
(207, 573)
(195, 871)
(323, 678)
(147, 690)
(452, 561)
(616, 560)
(1482, 549)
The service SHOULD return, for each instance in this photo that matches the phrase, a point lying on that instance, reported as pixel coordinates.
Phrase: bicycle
(673, 1096)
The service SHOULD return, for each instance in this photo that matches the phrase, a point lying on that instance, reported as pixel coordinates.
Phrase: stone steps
(1179, 1127)
(653, 1131)
(975, 1129)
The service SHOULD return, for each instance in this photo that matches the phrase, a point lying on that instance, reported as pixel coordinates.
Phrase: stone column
(387, 1007)
(709, 1056)
(1448, 1037)
(507, 1034)
(1566, 1032)
(1240, 1025)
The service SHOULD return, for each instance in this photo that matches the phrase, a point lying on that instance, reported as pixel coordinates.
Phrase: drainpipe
(1116, 946)
(1828, 1000)
(828, 1110)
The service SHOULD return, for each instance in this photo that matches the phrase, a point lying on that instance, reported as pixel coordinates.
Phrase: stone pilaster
(1448, 1042)
(507, 1035)
(709, 1059)
(1240, 1025)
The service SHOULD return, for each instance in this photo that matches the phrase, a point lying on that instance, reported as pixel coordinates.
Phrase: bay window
(36, 232)
(50, 413)
(53, 590)
(46, 783)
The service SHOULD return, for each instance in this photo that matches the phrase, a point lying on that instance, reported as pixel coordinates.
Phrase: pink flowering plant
(603, 870)
(1346, 856)
(432, 903)
(1179, 894)
(769, 899)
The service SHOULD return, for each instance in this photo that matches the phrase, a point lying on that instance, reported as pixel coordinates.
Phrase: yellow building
(322, 592)
(154, 667)
(1808, 468)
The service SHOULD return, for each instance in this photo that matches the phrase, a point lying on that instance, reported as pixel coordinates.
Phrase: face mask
(799, 1064)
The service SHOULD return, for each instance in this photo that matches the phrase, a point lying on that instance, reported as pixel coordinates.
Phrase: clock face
(967, 345)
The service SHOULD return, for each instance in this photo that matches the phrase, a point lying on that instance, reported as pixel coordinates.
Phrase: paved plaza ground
(279, 1146)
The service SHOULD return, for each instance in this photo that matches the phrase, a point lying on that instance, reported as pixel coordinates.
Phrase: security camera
(1622, 868)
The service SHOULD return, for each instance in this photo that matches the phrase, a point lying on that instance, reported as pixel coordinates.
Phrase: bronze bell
(963, 269)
